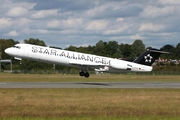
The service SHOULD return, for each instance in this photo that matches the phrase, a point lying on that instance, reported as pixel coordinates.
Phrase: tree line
(102, 48)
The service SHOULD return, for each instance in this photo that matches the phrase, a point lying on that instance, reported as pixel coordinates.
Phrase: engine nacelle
(119, 64)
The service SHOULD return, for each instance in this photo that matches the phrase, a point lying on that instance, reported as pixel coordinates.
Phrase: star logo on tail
(148, 58)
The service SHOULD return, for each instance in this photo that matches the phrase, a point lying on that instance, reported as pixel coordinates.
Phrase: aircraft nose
(7, 51)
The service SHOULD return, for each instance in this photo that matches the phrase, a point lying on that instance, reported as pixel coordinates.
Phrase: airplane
(83, 61)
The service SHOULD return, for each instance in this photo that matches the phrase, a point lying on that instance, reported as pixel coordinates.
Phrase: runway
(89, 84)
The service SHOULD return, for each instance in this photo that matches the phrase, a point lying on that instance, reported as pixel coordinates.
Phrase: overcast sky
(84, 22)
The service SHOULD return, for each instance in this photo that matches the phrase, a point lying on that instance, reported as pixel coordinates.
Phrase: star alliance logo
(148, 58)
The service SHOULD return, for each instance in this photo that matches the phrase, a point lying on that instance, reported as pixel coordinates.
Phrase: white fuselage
(74, 59)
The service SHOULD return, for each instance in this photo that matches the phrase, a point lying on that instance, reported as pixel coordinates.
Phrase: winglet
(148, 57)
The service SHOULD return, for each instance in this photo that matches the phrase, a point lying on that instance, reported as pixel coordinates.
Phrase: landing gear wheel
(86, 75)
(81, 73)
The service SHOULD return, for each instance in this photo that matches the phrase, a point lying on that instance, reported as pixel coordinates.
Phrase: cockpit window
(17, 47)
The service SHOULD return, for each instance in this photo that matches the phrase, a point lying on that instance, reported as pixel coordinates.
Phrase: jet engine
(119, 64)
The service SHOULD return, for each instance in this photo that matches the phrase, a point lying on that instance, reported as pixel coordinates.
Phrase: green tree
(83, 49)
(112, 48)
(126, 50)
(71, 48)
(34, 41)
(100, 48)
(167, 47)
(171, 49)
(178, 51)
(91, 49)
(6, 43)
(138, 48)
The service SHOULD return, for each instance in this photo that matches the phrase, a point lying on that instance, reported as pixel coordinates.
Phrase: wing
(86, 64)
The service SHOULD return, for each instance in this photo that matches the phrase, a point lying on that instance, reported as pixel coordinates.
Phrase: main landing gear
(85, 74)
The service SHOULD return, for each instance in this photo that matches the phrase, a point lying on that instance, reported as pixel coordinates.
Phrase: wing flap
(85, 63)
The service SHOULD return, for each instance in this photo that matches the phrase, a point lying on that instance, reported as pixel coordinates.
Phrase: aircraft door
(26, 51)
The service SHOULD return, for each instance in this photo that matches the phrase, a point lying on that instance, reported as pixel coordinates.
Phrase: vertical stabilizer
(148, 57)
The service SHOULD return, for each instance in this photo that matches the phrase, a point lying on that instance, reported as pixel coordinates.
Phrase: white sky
(84, 22)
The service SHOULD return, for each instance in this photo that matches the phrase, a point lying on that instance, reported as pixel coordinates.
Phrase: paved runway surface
(90, 85)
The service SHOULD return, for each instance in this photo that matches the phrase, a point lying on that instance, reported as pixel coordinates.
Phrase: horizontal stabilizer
(158, 51)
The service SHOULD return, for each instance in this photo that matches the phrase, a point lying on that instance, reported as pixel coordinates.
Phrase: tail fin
(148, 57)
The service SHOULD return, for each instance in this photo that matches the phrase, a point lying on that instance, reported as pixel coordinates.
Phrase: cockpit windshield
(17, 47)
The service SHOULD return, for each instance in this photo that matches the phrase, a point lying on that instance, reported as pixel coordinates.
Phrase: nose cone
(7, 51)
(10, 51)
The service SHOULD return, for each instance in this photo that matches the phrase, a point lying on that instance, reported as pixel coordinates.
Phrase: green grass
(6, 77)
(95, 118)
(88, 104)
